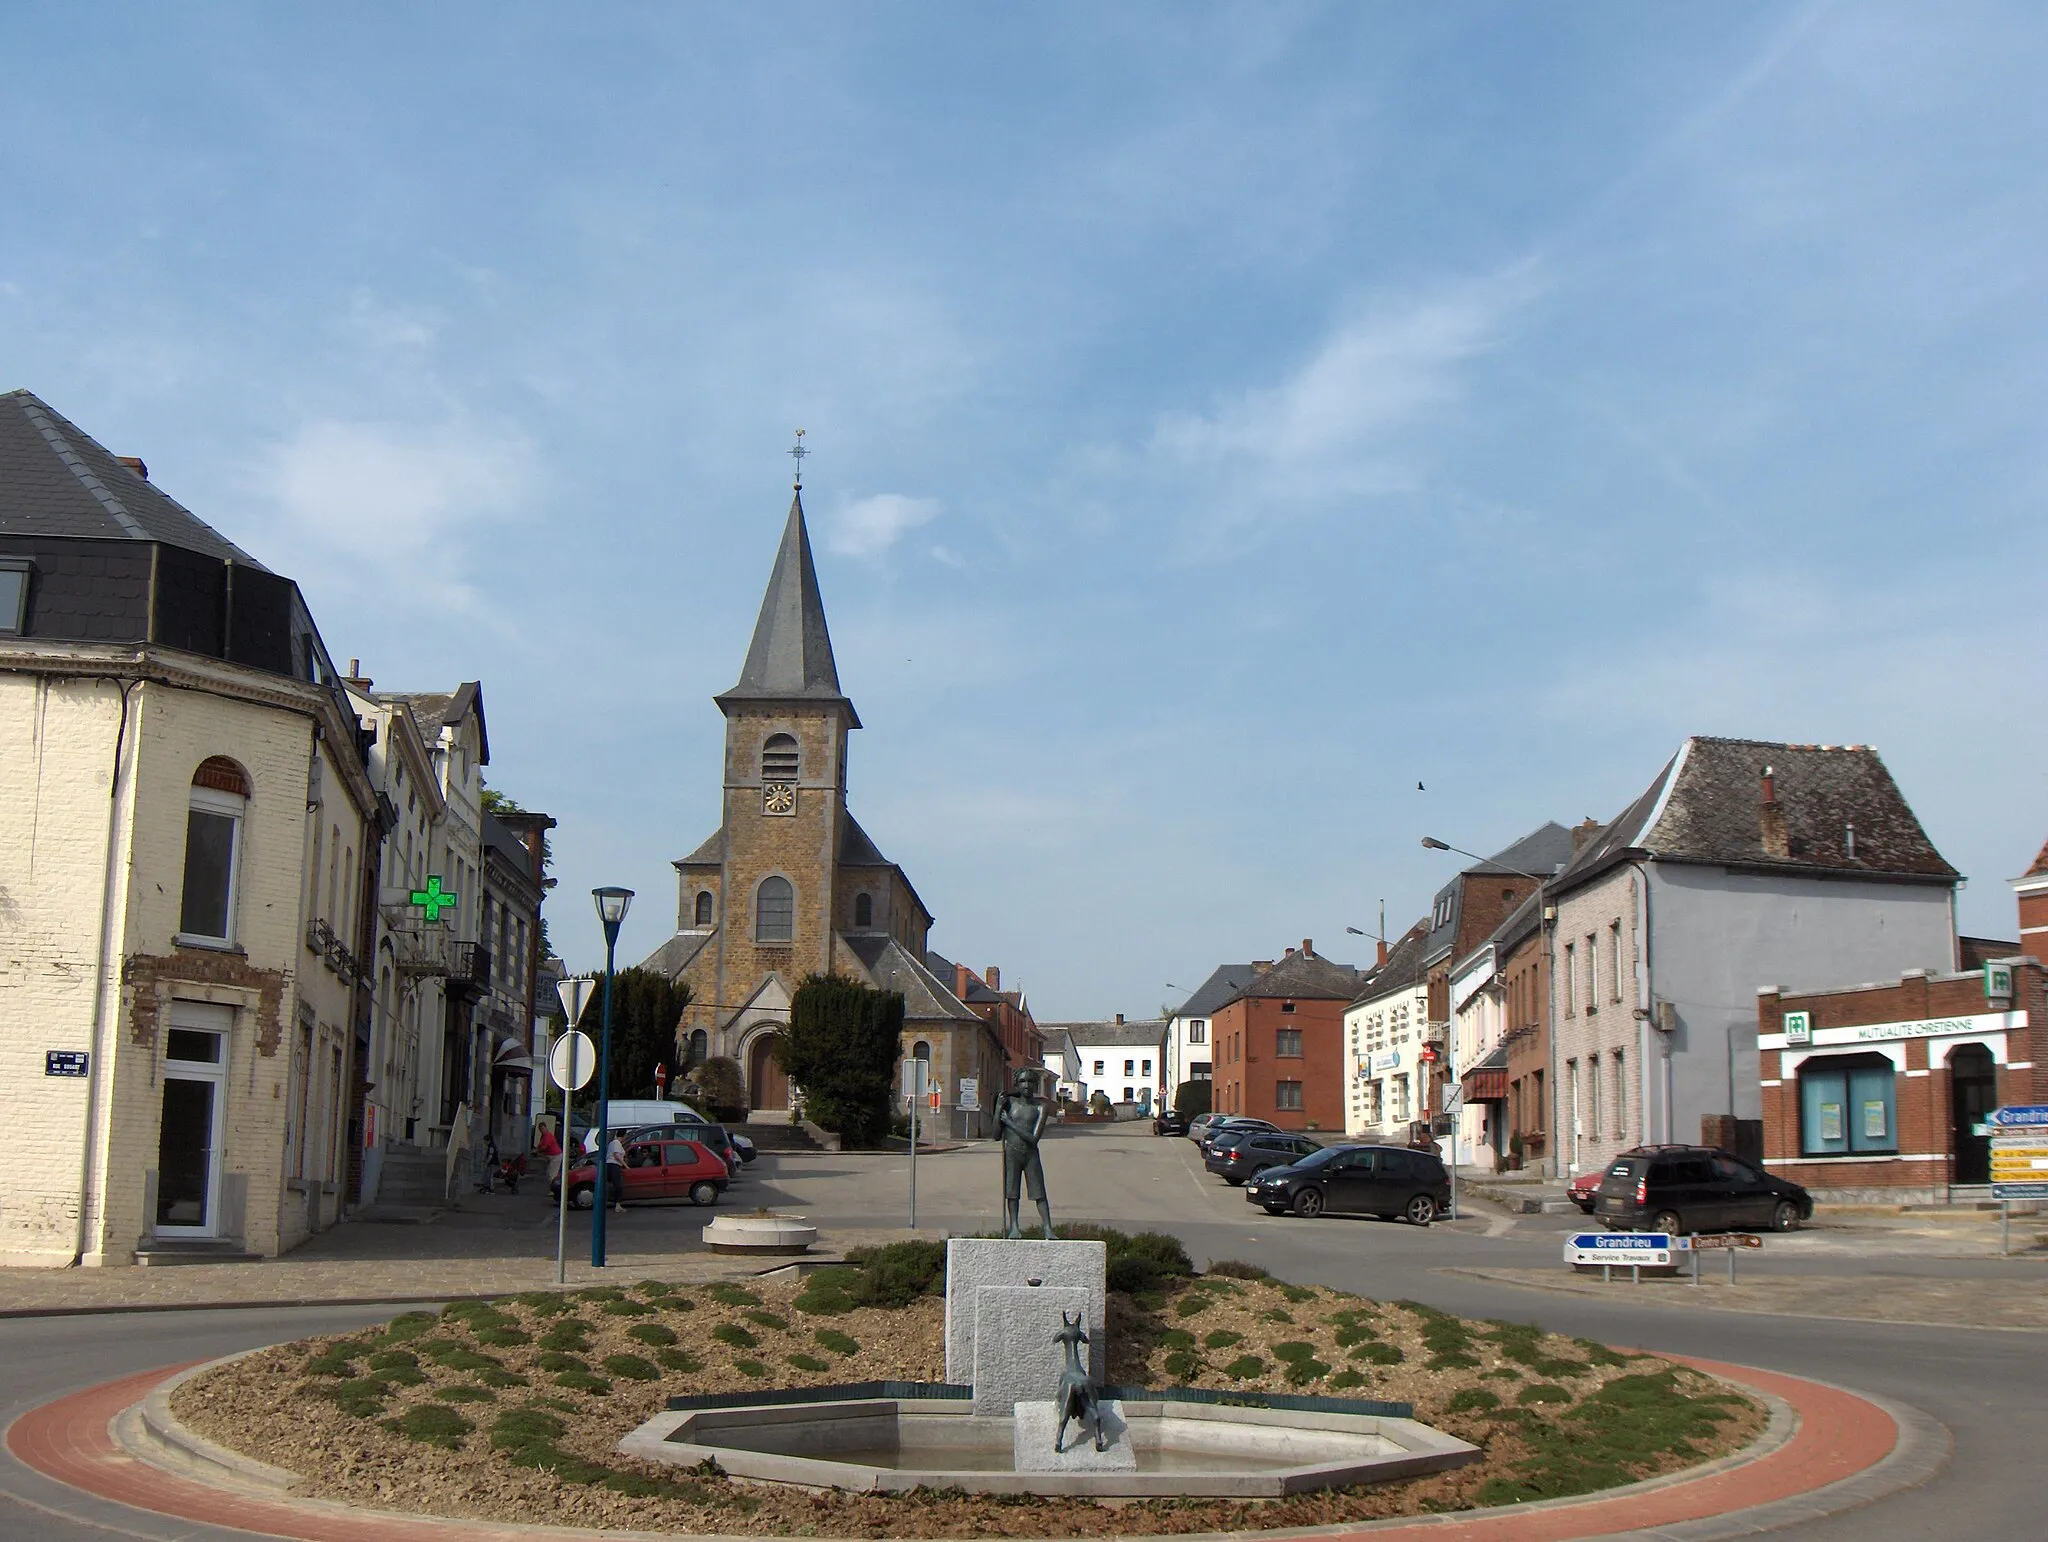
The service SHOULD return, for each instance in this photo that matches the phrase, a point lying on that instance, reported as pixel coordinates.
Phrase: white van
(635, 1113)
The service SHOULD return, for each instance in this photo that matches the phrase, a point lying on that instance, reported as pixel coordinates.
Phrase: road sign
(2019, 1151)
(916, 1077)
(1736, 1239)
(1639, 1249)
(970, 1094)
(2019, 1116)
(573, 1061)
(575, 992)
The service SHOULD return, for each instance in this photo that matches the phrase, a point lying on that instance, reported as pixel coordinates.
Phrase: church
(790, 885)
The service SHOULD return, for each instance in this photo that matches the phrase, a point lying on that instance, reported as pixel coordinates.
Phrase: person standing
(615, 1172)
(551, 1148)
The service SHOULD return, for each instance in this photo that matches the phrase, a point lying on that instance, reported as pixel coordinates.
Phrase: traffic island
(515, 1410)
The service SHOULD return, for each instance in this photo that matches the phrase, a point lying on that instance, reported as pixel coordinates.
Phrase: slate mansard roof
(1704, 807)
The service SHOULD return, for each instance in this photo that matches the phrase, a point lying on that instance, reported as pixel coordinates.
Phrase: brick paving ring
(1825, 1450)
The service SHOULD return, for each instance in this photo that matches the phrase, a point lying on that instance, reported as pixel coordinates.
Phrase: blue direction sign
(1641, 1249)
(2019, 1116)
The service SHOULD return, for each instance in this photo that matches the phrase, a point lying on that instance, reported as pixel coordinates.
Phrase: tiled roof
(56, 480)
(790, 657)
(677, 954)
(1302, 977)
(1125, 1035)
(444, 709)
(2040, 865)
(1541, 852)
(1404, 968)
(1706, 806)
(856, 849)
(1221, 987)
(891, 967)
(710, 854)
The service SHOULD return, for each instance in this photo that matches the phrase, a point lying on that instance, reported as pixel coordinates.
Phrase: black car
(1365, 1180)
(1167, 1122)
(1686, 1189)
(1236, 1155)
(1232, 1122)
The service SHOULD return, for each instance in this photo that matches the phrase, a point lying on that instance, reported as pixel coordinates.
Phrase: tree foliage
(646, 1006)
(1191, 1099)
(841, 1048)
(721, 1091)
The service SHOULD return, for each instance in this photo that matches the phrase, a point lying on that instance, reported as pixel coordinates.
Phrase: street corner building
(790, 885)
(176, 1056)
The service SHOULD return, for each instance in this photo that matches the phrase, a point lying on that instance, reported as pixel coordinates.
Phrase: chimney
(961, 975)
(1262, 966)
(134, 464)
(1583, 833)
(994, 976)
(1308, 947)
(1119, 1019)
(1777, 842)
(355, 675)
(1383, 953)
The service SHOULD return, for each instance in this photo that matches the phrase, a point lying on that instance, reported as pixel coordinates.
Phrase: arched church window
(781, 760)
(703, 907)
(775, 911)
(863, 910)
(922, 1050)
(700, 1046)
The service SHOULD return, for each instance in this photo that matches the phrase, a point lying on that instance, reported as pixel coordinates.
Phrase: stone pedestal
(1037, 1423)
(976, 1264)
(1016, 1356)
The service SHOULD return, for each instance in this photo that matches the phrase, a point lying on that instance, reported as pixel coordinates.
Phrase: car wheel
(1420, 1210)
(704, 1192)
(1785, 1217)
(582, 1196)
(1668, 1221)
(1309, 1202)
(1233, 1182)
(1276, 1210)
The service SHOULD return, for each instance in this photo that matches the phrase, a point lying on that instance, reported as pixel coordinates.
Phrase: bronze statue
(1021, 1117)
(1079, 1398)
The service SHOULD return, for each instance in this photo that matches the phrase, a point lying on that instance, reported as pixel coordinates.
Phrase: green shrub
(1376, 1353)
(678, 1360)
(362, 1396)
(1276, 1314)
(1293, 1350)
(583, 1381)
(602, 1293)
(898, 1273)
(828, 1292)
(627, 1308)
(407, 1326)
(767, 1319)
(1543, 1392)
(1236, 1269)
(653, 1289)
(336, 1360)
(1298, 1293)
(497, 1376)
(839, 1343)
(732, 1333)
(1245, 1367)
(545, 1303)
(651, 1333)
(753, 1368)
(1183, 1363)
(1301, 1372)
(394, 1359)
(1221, 1338)
(459, 1359)
(725, 1293)
(1192, 1304)
(431, 1424)
(1472, 1400)
(1345, 1380)
(1176, 1338)
(404, 1376)
(631, 1368)
(557, 1360)
(679, 1301)
(502, 1338)
(1523, 1344)
(1354, 1333)
(569, 1333)
(811, 1363)
(461, 1392)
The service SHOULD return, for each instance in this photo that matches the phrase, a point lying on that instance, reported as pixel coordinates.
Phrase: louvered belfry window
(781, 760)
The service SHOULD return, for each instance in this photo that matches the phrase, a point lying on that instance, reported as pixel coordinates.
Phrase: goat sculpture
(1079, 1399)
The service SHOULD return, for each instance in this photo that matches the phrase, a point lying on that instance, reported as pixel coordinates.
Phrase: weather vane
(798, 455)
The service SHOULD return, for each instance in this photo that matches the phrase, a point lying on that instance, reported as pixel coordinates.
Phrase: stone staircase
(779, 1135)
(413, 1177)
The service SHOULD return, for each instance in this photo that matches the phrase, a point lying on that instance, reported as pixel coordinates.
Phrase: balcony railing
(469, 967)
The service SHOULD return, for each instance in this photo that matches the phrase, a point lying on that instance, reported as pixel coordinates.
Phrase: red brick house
(1279, 1042)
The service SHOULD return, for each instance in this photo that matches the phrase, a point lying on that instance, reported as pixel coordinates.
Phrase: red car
(1585, 1187)
(657, 1169)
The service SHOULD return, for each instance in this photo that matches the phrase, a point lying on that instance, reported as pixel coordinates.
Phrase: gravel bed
(514, 1411)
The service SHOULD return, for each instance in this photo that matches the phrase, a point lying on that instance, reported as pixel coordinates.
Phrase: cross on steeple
(798, 455)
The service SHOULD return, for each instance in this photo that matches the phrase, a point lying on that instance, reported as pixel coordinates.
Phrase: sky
(1246, 438)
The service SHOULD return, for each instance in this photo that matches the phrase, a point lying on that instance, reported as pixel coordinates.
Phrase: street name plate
(1727, 1240)
(66, 1062)
(1623, 1249)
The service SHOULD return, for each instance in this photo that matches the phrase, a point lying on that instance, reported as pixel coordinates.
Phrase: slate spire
(790, 658)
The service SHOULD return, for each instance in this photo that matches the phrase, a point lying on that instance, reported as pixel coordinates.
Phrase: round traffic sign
(573, 1061)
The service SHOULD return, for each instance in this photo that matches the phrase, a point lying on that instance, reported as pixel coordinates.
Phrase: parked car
(1236, 1155)
(1167, 1122)
(655, 1169)
(1198, 1127)
(1685, 1189)
(716, 1136)
(1362, 1180)
(1581, 1190)
(1233, 1122)
(635, 1113)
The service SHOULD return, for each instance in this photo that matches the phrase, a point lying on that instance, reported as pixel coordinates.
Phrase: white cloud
(868, 527)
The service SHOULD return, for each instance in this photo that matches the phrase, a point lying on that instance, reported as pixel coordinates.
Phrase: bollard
(1731, 1266)
(1607, 1274)
(1695, 1268)
(1635, 1274)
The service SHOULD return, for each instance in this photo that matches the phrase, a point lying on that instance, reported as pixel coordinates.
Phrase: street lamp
(612, 905)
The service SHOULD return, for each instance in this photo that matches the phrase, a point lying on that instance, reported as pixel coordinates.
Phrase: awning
(1486, 1084)
(511, 1057)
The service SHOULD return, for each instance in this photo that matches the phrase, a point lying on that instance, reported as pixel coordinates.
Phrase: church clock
(778, 798)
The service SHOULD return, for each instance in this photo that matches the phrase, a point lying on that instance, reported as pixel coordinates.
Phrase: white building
(1384, 1032)
(1118, 1059)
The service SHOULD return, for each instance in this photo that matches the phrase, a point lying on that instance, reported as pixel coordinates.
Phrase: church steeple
(790, 658)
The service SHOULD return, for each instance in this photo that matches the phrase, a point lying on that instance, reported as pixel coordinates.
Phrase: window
(703, 907)
(1287, 1095)
(1846, 1106)
(1202, 1070)
(1198, 1032)
(1130, 1069)
(213, 838)
(1128, 1098)
(1287, 1043)
(1592, 976)
(700, 1046)
(1593, 1093)
(1614, 958)
(1144, 1068)
(1098, 1068)
(863, 910)
(922, 1050)
(1287, 1006)
(1571, 977)
(13, 594)
(781, 760)
(775, 911)
(1620, 1099)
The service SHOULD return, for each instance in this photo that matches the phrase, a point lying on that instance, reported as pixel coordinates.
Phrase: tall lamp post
(612, 905)
(1431, 843)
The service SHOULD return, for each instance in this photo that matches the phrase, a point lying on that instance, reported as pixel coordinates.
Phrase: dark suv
(1370, 1180)
(1236, 1155)
(1683, 1189)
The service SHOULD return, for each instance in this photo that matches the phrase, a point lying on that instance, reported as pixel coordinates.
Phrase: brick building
(1005, 1011)
(1279, 1042)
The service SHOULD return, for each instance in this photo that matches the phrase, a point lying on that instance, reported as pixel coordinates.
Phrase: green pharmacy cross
(434, 899)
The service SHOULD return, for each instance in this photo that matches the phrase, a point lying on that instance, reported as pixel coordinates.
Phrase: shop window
(213, 839)
(775, 911)
(1287, 1095)
(1287, 1043)
(1846, 1106)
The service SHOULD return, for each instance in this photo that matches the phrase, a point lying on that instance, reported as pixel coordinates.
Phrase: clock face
(778, 798)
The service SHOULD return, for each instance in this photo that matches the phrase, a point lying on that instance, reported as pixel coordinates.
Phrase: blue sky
(1225, 418)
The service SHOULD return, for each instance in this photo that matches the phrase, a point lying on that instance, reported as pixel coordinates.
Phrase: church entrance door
(767, 1086)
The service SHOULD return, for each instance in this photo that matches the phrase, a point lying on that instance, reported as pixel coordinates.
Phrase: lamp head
(1352, 931)
(612, 905)
(1433, 844)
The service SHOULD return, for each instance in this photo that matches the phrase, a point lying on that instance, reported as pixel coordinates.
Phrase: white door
(189, 1136)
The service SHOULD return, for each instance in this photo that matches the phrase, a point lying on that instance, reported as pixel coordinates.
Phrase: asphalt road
(1989, 1387)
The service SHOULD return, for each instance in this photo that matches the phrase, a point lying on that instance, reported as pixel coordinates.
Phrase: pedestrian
(615, 1172)
(551, 1148)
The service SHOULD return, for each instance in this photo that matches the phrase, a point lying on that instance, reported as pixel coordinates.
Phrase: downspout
(1646, 1015)
(89, 1174)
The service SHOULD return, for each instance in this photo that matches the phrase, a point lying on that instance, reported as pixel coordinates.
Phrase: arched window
(863, 910)
(781, 759)
(213, 842)
(775, 911)
(700, 1046)
(922, 1050)
(703, 907)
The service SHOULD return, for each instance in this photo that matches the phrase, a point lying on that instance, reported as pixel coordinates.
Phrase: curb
(119, 1441)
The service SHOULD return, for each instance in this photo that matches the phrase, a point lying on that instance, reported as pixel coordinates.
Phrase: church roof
(892, 967)
(856, 849)
(710, 854)
(678, 953)
(790, 658)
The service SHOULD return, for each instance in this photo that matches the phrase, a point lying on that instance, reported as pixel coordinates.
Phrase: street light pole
(612, 905)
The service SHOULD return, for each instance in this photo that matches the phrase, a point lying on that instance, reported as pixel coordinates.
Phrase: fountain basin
(887, 1445)
(764, 1234)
